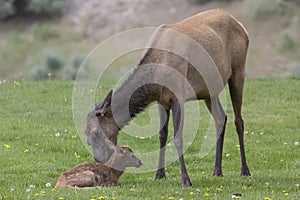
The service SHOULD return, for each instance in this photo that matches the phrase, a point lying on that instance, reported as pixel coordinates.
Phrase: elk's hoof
(245, 172)
(186, 182)
(160, 174)
(218, 173)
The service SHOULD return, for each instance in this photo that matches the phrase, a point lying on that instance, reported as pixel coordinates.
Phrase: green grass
(32, 113)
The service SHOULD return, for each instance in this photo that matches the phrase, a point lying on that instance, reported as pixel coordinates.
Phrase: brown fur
(226, 42)
(95, 174)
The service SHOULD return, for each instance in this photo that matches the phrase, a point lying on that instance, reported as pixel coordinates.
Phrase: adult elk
(225, 41)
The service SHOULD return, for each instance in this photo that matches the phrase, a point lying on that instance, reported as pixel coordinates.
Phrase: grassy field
(38, 141)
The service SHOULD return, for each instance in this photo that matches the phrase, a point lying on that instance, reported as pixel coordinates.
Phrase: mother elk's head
(101, 117)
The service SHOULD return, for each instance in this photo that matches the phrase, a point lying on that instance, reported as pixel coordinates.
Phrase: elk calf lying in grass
(97, 174)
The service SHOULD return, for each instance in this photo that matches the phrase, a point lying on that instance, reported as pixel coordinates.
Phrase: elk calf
(97, 174)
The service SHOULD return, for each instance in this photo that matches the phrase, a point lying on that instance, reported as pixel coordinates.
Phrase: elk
(95, 174)
(110, 163)
(105, 151)
(225, 41)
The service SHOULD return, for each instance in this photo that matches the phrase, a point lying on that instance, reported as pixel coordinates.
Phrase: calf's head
(122, 158)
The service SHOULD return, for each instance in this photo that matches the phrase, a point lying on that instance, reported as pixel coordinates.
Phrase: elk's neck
(115, 163)
(134, 96)
(117, 173)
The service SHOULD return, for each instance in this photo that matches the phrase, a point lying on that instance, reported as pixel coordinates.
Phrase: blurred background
(48, 39)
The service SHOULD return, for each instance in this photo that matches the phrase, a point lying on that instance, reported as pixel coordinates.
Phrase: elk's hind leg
(215, 108)
(164, 115)
(236, 85)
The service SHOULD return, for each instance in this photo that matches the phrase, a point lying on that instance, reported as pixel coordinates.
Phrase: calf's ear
(105, 105)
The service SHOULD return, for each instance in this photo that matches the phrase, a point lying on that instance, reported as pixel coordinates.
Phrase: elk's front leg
(178, 113)
(164, 115)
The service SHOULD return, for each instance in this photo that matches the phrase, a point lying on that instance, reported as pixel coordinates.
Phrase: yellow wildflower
(76, 155)
(191, 193)
(26, 150)
(206, 194)
(7, 146)
(236, 196)
(267, 198)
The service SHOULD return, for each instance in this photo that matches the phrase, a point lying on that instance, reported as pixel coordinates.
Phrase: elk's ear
(105, 105)
(126, 149)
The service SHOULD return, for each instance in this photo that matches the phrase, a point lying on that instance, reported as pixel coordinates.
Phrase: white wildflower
(267, 183)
